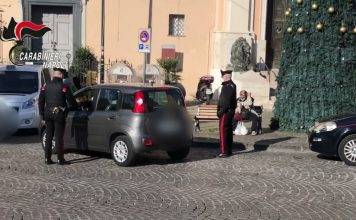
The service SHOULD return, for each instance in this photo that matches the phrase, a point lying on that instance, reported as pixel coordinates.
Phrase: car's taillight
(140, 105)
(147, 142)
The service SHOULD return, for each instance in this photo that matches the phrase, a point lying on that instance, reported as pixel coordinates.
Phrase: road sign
(144, 40)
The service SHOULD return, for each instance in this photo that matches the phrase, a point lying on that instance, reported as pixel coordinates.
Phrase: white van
(19, 89)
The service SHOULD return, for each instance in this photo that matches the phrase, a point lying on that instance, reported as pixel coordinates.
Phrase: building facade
(200, 32)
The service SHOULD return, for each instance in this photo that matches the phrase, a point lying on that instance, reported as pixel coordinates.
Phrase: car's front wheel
(122, 151)
(347, 150)
(180, 154)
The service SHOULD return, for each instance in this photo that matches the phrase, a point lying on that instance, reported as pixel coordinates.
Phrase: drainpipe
(84, 22)
(101, 63)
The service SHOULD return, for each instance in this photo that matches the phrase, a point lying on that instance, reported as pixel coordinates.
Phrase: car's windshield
(164, 98)
(21, 82)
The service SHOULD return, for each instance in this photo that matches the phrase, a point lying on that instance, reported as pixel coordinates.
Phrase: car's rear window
(128, 101)
(155, 99)
(164, 98)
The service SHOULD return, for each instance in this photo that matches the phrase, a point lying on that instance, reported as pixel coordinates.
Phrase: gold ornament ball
(289, 9)
(287, 13)
(299, 1)
(319, 26)
(300, 30)
(289, 29)
(354, 30)
(343, 29)
(315, 6)
(331, 9)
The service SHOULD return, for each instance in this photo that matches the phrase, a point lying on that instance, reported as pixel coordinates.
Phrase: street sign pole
(144, 67)
(144, 46)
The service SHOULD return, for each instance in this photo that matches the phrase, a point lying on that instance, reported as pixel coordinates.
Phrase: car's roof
(28, 68)
(131, 87)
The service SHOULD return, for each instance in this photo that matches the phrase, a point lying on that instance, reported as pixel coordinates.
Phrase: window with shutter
(176, 25)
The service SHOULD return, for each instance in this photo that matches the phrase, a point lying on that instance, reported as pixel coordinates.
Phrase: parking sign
(144, 40)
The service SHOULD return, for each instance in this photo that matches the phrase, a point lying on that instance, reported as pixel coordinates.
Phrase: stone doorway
(274, 31)
(60, 38)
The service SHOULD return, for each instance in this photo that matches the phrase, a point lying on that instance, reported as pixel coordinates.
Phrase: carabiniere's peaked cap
(223, 72)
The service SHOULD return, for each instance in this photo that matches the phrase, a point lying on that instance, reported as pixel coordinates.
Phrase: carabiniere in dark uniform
(225, 112)
(53, 107)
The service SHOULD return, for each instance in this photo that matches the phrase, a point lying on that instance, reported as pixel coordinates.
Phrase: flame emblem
(18, 31)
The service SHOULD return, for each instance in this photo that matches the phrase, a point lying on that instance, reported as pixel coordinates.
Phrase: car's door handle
(113, 117)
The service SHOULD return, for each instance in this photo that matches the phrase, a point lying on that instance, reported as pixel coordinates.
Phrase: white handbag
(240, 129)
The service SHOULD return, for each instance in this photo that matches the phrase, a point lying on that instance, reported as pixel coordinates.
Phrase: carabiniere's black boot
(223, 155)
(62, 161)
(49, 161)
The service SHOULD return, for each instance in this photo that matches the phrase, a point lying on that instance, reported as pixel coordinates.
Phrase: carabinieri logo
(17, 32)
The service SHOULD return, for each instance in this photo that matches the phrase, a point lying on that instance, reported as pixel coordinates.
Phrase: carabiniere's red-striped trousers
(225, 129)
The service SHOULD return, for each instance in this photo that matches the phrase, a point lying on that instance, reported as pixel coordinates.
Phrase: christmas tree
(317, 76)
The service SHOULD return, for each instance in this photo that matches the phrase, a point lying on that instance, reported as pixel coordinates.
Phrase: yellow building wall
(257, 19)
(124, 18)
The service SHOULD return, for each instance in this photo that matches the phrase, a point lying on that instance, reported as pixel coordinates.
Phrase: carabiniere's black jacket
(55, 94)
(227, 98)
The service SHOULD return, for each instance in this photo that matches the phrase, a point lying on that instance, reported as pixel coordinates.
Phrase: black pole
(150, 26)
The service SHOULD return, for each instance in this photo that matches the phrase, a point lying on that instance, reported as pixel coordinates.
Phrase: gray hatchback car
(126, 120)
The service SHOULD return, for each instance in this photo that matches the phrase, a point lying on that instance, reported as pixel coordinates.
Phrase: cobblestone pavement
(250, 185)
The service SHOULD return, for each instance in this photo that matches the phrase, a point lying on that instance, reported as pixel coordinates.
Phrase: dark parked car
(335, 136)
(126, 120)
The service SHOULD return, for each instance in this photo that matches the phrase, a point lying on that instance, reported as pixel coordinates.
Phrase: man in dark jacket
(53, 105)
(226, 111)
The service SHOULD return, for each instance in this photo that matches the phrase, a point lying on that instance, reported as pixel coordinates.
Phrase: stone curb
(299, 144)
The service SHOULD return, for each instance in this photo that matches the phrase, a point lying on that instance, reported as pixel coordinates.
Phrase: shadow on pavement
(328, 157)
(264, 144)
(157, 158)
(261, 145)
(84, 159)
(206, 142)
(202, 149)
(90, 156)
(144, 159)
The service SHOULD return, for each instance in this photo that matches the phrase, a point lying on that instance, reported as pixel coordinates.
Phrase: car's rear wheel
(122, 151)
(347, 150)
(179, 154)
(44, 134)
